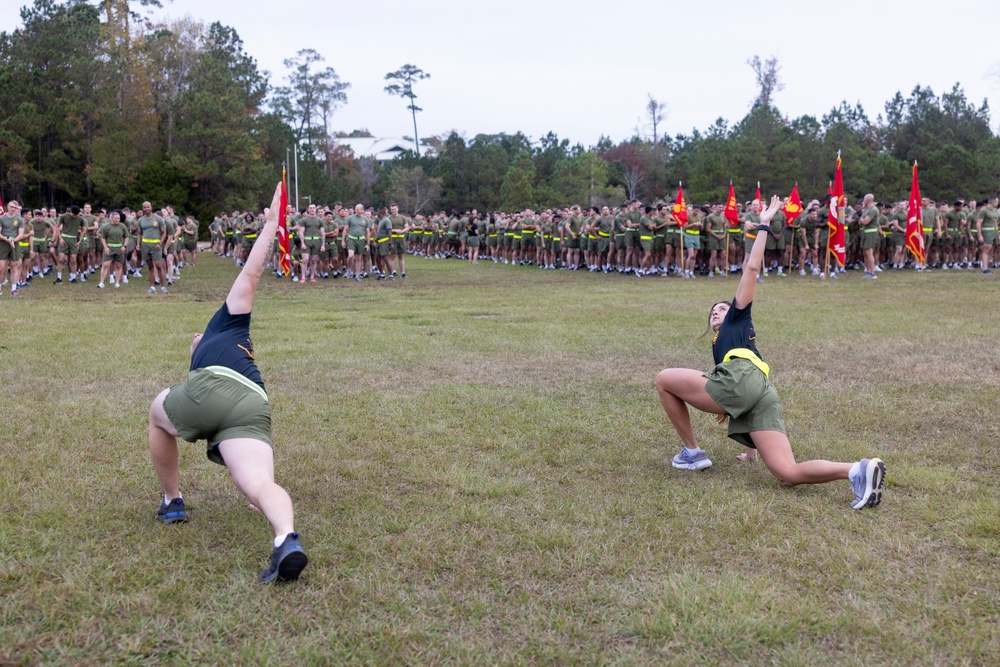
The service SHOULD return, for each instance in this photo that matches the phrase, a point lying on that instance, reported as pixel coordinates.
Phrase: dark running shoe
(172, 512)
(287, 561)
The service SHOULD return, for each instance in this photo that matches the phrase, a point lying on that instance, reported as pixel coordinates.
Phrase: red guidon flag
(793, 208)
(680, 207)
(757, 196)
(914, 221)
(284, 244)
(836, 218)
(732, 214)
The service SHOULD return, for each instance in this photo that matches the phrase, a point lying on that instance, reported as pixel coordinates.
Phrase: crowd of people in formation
(81, 244)
(631, 239)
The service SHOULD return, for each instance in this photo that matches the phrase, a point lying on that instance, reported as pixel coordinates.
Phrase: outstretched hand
(271, 212)
(769, 212)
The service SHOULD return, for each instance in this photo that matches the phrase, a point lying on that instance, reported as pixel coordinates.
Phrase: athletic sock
(166, 501)
(279, 539)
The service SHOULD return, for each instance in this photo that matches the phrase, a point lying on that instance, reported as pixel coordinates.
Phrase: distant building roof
(383, 149)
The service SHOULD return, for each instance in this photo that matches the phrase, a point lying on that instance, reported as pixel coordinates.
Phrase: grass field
(481, 472)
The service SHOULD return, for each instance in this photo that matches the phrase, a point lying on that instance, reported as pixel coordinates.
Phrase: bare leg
(678, 388)
(776, 451)
(163, 448)
(251, 463)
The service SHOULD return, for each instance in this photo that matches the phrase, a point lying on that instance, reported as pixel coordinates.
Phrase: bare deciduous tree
(766, 72)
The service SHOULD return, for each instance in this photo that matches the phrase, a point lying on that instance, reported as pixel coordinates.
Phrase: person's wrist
(764, 227)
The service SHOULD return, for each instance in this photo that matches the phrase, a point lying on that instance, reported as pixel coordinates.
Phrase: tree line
(98, 103)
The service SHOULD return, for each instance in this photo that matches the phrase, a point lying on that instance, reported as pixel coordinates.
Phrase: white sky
(582, 69)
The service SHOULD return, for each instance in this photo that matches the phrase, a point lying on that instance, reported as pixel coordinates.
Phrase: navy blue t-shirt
(736, 331)
(226, 342)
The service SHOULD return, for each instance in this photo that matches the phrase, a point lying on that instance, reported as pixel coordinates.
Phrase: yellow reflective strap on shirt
(748, 354)
(239, 377)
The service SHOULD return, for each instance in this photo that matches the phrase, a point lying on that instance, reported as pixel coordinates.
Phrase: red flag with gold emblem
(680, 206)
(914, 221)
(284, 244)
(793, 208)
(732, 213)
(836, 218)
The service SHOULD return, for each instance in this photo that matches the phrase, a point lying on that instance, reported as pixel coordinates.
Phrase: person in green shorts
(739, 390)
(314, 242)
(472, 237)
(870, 231)
(355, 238)
(189, 248)
(400, 228)
(382, 248)
(113, 236)
(41, 239)
(647, 232)
(152, 234)
(668, 243)
(67, 234)
(11, 232)
(692, 240)
(986, 232)
(224, 401)
(715, 230)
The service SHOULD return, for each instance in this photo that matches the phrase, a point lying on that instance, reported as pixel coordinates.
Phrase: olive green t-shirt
(356, 226)
(150, 227)
(11, 225)
(71, 224)
(989, 217)
(384, 229)
(115, 234)
(872, 215)
(398, 222)
(311, 226)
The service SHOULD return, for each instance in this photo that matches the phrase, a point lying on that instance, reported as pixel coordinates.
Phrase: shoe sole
(874, 479)
(700, 465)
(172, 517)
(289, 568)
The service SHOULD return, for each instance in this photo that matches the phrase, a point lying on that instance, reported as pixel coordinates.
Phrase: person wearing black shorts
(224, 402)
(739, 389)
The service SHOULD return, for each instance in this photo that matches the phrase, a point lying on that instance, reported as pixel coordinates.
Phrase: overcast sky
(582, 69)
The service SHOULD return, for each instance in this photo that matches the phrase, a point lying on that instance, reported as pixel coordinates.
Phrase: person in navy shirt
(739, 390)
(224, 402)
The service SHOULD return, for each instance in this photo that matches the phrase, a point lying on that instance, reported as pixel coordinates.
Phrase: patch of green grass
(481, 472)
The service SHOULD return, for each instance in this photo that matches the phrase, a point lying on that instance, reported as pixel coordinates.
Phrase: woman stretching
(223, 401)
(738, 389)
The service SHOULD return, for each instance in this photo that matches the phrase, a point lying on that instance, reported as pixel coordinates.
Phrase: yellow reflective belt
(398, 236)
(744, 353)
(115, 245)
(734, 230)
(688, 231)
(39, 240)
(233, 375)
(253, 236)
(24, 244)
(356, 238)
(989, 229)
(151, 240)
(381, 240)
(928, 229)
(750, 236)
(603, 234)
(645, 238)
(69, 236)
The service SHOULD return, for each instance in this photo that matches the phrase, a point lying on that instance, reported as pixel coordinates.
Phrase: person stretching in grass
(224, 402)
(738, 389)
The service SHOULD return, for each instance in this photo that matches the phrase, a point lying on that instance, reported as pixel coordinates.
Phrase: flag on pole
(914, 221)
(732, 214)
(793, 208)
(680, 206)
(835, 220)
(757, 196)
(284, 244)
(1, 205)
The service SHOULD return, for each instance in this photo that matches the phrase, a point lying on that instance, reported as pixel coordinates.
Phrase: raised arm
(748, 281)
(240, 299)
